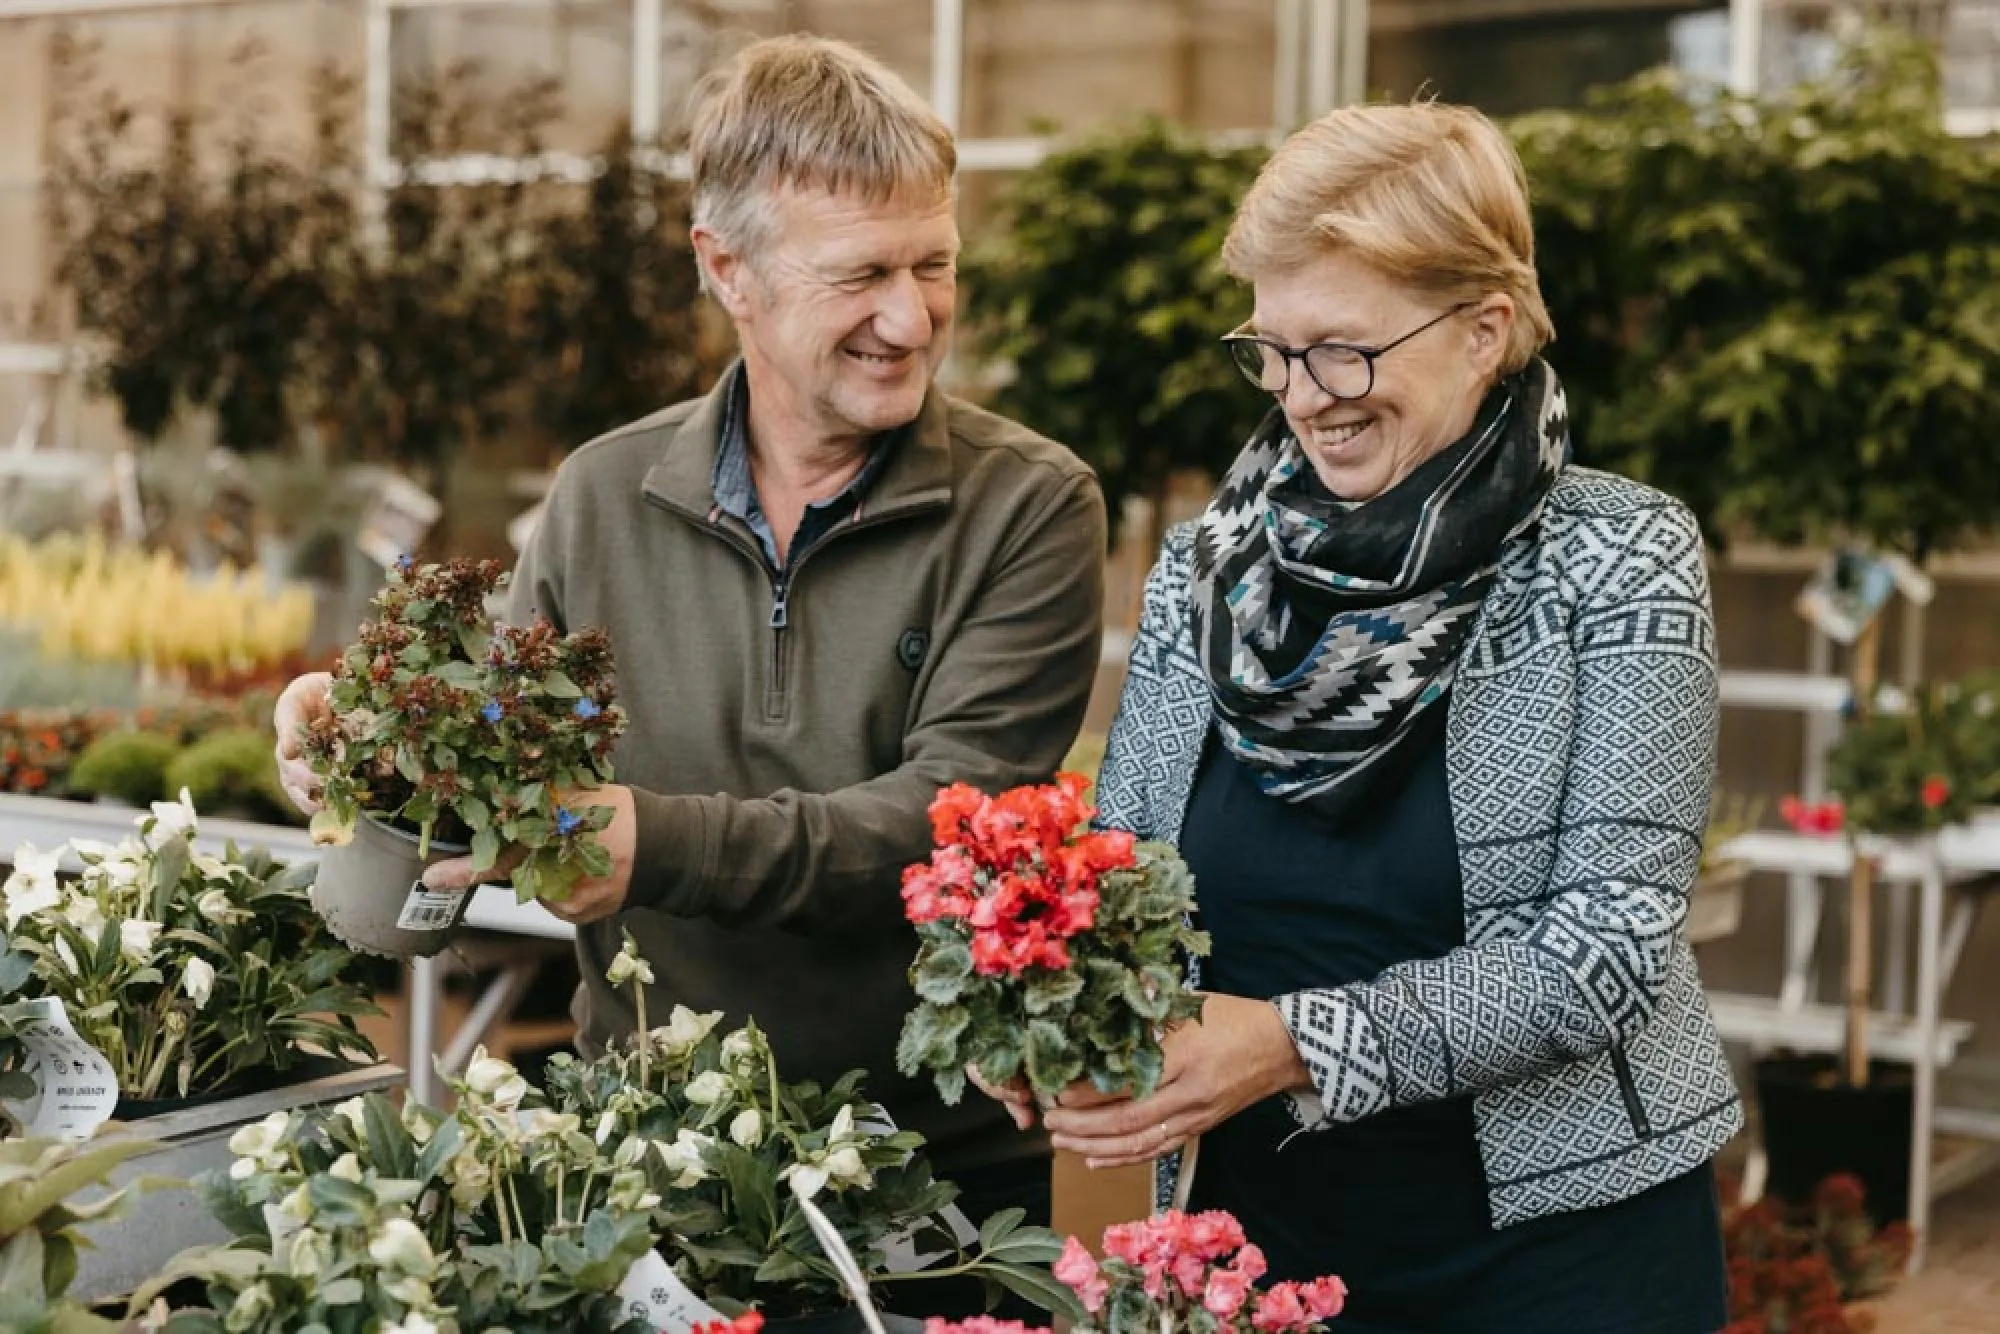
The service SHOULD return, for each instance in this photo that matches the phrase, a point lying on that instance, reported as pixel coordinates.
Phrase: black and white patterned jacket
(1581, 754)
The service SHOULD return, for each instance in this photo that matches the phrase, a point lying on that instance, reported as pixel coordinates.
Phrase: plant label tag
(899, 1250)
(75, 1087)
(654, 1293)
(428, 909)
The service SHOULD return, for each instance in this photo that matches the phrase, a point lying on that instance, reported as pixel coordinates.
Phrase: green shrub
(129, 765)
(232, 772)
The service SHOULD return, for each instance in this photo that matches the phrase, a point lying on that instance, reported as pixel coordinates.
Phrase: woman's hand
(1014, 1095)
(1237, 1054)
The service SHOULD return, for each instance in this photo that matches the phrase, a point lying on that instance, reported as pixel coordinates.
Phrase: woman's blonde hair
(1429, 195)
(808, 113)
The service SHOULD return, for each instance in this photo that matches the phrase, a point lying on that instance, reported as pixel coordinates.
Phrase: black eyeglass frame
(1287, 355)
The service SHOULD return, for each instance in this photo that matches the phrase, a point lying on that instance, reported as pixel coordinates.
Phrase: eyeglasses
(1342, 370)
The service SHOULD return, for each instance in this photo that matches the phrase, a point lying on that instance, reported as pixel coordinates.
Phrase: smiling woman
(1431, 716)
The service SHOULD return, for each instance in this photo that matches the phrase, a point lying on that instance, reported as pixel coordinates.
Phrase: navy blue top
(1396, 1204)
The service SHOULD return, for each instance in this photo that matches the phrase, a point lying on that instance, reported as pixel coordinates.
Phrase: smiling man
(832, 590)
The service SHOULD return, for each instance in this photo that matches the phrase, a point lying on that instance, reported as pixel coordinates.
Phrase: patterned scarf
(1331, 630)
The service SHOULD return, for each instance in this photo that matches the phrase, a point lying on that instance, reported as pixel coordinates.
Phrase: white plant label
(899, 1251)
(654, 1293)
(429, 910)
(75, 1086)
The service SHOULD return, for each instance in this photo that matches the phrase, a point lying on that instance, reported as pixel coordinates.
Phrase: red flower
(750, 1322)
(1937, 791)
(980, 1324)
(1281, 1309)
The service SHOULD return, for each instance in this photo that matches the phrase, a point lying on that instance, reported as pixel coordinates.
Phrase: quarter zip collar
(916, 477)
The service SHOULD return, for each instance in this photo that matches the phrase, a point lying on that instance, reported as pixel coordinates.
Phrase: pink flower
(1076, 1270)
(1280, 1310)
(1214, 1234)
(1324, 1297)
(1127, 1242)
(980, 1324)
(1227, 1291)
(1250, 1263)
(1191, 1272)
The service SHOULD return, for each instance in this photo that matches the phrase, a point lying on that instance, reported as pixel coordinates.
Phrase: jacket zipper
(1628, 1088)
(778, 685)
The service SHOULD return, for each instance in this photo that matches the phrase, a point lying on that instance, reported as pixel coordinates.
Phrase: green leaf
(558, 686)
(1047, 990)
(996, 1229)
(485, 848)
(392, 1149)
(942, 971)
(1037, 1287)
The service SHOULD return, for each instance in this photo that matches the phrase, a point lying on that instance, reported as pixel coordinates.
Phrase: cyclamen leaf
(1048, 990)
(942, 972)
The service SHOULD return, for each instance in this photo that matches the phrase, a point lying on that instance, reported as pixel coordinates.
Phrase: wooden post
(1863, 673)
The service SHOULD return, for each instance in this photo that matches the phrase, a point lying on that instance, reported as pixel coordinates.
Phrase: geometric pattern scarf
(1331, 630)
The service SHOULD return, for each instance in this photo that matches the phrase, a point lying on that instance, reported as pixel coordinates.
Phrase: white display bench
(48, 822)
(1949, 866)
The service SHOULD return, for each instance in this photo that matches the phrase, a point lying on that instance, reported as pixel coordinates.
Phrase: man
(831, 590)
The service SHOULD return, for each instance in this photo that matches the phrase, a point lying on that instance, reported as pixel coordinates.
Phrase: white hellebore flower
(843, 1125)
(216, 906)
(67, 957)
(347, 1167)
(136, 939)
(684, 1158)
(198, 981)
(400, 1245)
(32, 888)
(708, 1088)
(494, 1079)
(739, 1049)
(251, 1306)
(173, 817)
(627, 965)
(352, 1113)
(545, 1124)
(260, 1147)
(685, 1029)
(748, 1128)
(411, 1324)
(471, 1181)
(844, 1167)
(81, 911)
(312, 1251)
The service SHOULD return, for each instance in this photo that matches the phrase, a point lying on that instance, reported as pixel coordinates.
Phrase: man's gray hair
(807, 112)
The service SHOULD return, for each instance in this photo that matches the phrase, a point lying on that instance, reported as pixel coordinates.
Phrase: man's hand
(589, 900)
(304, 700)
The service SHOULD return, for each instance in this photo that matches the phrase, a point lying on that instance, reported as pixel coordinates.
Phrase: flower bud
(748, 1128)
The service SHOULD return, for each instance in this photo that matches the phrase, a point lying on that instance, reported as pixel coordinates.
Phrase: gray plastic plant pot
(364, 886)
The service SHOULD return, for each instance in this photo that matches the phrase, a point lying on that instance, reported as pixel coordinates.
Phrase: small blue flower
(586, 709)
(567, 821)
(492, 712)
(406, 562)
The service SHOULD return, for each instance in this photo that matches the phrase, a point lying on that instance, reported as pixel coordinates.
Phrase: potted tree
(450, 733)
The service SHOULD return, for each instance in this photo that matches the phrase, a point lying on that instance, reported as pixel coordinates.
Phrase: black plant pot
(262, 1080)
(1816, 1126)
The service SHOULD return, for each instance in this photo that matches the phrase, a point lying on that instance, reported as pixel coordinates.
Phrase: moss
(232, 773)
(128, 765)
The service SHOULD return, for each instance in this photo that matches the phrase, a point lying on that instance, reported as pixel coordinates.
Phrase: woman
(1432, 718)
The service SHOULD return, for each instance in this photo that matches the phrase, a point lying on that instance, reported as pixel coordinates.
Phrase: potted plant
(207, 986)
(1901, 773)
(39, 1228)
(1811, 1268)
(738, 1148)
(1178, 1271)
(533, 1209)
(449, 733)
(1716, 905)
(1049, 953)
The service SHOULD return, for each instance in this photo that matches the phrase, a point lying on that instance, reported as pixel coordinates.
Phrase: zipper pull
(780, 602)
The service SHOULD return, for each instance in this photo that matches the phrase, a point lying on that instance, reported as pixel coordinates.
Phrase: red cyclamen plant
(1049, 952)
(1179, 1273)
